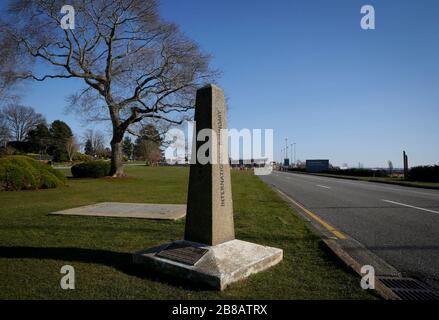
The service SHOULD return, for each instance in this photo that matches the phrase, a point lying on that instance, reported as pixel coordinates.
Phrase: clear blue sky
(307, 70)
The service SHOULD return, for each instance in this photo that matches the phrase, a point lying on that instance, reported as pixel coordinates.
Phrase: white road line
(319, 185)
(409, 206)
(374, 185)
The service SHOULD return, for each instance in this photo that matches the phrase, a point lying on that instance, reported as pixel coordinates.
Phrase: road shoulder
(352, 253)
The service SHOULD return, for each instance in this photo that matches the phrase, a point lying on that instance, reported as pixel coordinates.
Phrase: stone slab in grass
(128, 210)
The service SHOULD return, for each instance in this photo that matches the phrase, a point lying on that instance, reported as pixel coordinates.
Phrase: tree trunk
(116, 158)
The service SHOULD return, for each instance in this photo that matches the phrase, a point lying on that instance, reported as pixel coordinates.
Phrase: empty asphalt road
(398, 224)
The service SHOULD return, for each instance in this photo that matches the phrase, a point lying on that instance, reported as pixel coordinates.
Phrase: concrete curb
(352, 253)
(353, 264)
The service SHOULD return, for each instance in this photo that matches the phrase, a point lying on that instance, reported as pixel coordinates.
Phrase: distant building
(315, 166)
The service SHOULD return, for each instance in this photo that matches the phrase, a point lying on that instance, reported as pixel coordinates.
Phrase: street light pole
(294, 152)
(291, 154)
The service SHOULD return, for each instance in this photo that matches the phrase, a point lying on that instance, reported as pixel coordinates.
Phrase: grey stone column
(209, 218)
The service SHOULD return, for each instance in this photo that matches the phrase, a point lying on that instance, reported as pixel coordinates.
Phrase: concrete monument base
(217, 266)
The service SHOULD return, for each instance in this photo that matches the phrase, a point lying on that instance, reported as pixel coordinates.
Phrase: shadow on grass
(122, 262)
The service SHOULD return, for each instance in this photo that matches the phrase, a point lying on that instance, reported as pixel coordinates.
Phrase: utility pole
(406, 165)
(294, 144)
(291, 152)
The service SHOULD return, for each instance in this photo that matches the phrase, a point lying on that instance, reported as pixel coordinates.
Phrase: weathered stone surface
(221, 266)
(128, 210)
(209, 218)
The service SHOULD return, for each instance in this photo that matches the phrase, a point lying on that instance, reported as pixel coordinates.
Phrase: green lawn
(34, 246)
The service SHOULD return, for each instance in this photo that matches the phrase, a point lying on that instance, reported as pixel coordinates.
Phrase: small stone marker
(210, 254)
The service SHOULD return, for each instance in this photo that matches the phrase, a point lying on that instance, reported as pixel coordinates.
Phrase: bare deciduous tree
(5, 135)
(20, 120)
(96, 140)
(134, 65)
(150, 151)
(72, 146)
(148, 144)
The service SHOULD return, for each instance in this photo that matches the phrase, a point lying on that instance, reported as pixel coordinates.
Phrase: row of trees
(147, 146)
(25, 131)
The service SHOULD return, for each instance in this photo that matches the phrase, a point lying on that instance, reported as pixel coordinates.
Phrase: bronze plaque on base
(183, 253)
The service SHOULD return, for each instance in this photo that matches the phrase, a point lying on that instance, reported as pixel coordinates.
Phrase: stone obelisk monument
(209, 253)
(209, 218)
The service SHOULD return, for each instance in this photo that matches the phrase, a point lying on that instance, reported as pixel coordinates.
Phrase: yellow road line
(330, 228)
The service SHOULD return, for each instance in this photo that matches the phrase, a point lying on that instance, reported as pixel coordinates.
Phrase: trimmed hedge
(91, 169)
(24, 173)
(424, 174)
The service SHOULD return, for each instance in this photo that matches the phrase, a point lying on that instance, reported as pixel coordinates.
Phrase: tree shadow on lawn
(122, 262)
